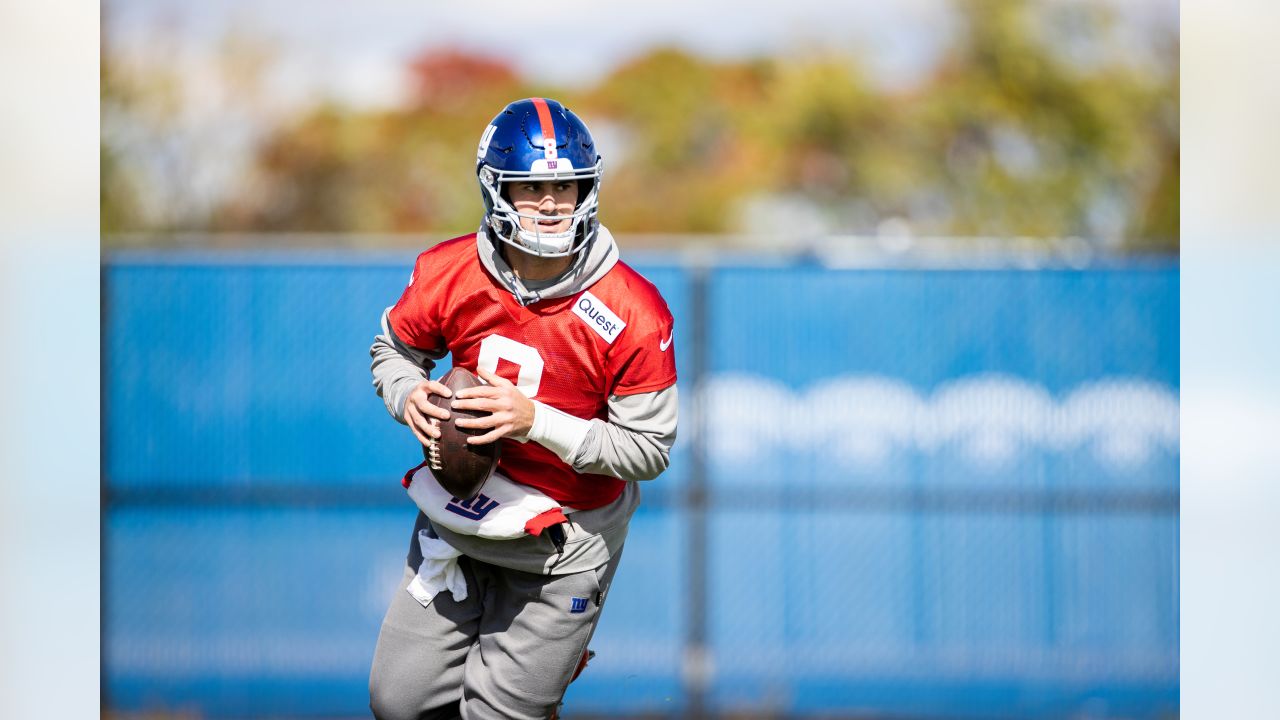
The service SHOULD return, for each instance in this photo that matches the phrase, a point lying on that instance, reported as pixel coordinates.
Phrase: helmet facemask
(504, 219)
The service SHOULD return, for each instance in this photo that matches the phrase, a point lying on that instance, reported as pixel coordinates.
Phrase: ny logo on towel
(474, 509)
(579, 605)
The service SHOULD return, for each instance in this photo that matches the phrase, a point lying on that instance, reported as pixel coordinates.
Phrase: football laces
(433, 449)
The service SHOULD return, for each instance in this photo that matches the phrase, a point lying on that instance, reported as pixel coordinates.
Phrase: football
(460, 468)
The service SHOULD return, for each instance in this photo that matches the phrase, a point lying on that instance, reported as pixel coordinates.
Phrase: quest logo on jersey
(598, 317)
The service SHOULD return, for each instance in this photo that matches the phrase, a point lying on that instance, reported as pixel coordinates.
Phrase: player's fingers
(481, 404)
(492, 379)
(490, 420)
(492, 436)
(497, 381)
(436, 388)
(413, 426)
(434, 411)
(425, 407)
(422, 430)
(478, 391)
(421, 425)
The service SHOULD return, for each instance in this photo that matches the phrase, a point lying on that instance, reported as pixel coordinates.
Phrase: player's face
(545, 198)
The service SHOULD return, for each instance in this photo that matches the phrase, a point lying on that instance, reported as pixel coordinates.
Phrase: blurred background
(924, 264)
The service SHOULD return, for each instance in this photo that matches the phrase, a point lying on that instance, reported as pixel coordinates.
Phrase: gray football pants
(506, 652)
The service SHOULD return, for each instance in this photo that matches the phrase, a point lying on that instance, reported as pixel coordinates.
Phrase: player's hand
(418, 410)
(510, 412)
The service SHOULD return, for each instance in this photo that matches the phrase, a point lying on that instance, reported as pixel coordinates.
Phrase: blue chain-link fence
(896, 492)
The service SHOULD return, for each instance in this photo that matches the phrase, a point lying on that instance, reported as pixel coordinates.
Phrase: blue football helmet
(539, 139)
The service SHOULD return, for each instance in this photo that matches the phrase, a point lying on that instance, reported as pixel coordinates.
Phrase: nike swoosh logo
(664, 344)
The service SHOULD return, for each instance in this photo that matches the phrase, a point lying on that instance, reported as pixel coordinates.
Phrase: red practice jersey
(571, 353)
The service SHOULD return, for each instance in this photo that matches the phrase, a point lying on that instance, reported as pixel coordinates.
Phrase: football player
(576, 350)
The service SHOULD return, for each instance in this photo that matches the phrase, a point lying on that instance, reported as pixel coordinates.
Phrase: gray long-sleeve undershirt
(634, 444)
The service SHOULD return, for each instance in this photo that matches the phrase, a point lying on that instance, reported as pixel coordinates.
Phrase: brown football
(460, 468)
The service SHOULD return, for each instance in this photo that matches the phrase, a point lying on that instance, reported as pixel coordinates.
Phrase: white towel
(504, 510)
(439, 571)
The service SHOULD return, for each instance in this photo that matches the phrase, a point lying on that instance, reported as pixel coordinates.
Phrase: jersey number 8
(497, 347)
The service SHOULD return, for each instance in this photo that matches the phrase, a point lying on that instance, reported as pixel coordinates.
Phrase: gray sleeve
(636, 442)
(398, 368)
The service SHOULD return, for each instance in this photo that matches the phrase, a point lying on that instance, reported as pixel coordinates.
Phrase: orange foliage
(445, 78)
